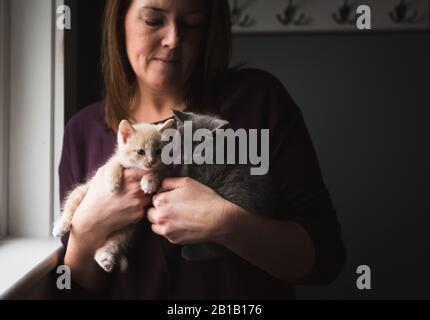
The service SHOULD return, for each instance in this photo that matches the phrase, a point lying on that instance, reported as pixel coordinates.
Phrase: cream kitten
(139, 146)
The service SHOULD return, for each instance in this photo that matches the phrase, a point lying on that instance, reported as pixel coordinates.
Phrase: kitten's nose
(150, 162)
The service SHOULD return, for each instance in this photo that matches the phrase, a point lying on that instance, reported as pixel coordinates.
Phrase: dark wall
(366, 102)
(83, 80)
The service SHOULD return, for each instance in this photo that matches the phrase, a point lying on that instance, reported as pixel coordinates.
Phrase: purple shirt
(249, 99)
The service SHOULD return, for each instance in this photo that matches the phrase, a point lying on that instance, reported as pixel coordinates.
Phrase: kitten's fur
(132, 140)
(232, 182)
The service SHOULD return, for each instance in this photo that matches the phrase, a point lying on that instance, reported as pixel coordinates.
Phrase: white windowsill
(20, 256)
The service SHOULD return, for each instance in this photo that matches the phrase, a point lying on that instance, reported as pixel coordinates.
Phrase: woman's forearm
(280, 248)
(79, 258)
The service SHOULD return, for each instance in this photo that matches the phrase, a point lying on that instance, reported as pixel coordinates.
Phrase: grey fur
(232, 182)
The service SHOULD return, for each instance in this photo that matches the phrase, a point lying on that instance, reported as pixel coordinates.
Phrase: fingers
(159, 200)
(155, 216)
(164, 231)
(157, 229)
(151, 215)
(158, 216)
(131, 178)
(170, 184)
(133, 188)
(133, 175)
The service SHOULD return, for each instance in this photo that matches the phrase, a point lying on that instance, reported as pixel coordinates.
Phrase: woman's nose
(171, 38)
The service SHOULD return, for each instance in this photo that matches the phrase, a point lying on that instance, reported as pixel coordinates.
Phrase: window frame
(58, 108)
(4, 115)
(41, 128)
(31, 96)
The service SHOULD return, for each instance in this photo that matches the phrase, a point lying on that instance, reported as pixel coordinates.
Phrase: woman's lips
(172, 61)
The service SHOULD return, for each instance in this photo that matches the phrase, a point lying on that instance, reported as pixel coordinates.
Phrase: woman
(160, 54)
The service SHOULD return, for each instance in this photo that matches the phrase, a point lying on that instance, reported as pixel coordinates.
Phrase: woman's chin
(166, 85)
(161, 80)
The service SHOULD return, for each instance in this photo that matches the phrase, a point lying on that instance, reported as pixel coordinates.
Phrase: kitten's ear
(219, 124)
(166, 125)
(181, 116)
(125, 131)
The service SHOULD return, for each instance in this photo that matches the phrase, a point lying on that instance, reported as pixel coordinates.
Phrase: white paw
(105, 260)
(149, 185)
(113, 185)
(61, 228)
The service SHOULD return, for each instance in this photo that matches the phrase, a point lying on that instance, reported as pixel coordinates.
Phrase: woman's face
(163, 41)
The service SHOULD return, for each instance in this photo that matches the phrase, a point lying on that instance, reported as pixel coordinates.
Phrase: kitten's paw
(105, 260)
(149, 184)
(61, 228)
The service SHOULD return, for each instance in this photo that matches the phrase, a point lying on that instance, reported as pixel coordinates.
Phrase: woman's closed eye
(192, 22)
(151, 19)
(154, 23)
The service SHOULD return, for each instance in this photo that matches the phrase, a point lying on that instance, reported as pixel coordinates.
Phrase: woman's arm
(186, 212)
(281, 248)
(99, 215)
(85, 271)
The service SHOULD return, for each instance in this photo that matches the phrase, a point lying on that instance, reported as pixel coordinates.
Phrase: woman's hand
(101, 212)
(186, 211)
(98, 216)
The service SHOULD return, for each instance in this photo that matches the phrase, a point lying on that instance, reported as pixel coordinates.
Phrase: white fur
(150, 183)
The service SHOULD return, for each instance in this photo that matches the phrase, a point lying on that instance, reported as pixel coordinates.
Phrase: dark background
(365, 98)
(83, 79)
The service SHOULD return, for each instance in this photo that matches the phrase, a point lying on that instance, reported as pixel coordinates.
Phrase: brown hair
(120, 79)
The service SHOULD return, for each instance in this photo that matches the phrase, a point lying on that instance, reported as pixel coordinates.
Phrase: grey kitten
(232, 182)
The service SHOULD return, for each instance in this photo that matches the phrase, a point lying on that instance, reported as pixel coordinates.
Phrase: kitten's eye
(141, 152)
(158, 152)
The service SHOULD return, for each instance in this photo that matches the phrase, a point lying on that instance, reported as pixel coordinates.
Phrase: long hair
(120, 80)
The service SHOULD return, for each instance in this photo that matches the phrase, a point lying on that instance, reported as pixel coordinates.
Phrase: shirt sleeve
(69, 166)
(302, 196)
(71, 169)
